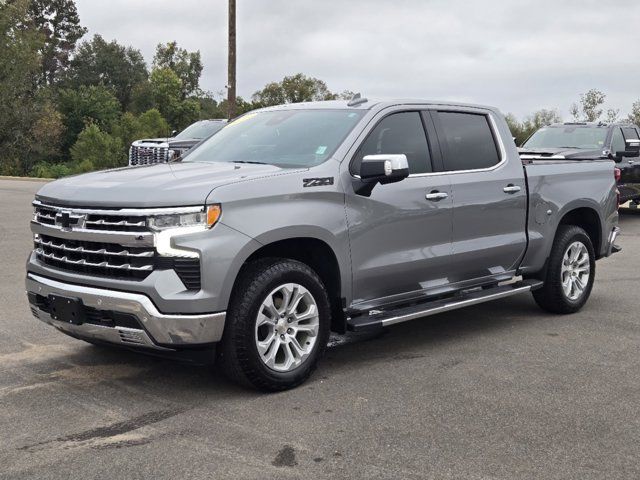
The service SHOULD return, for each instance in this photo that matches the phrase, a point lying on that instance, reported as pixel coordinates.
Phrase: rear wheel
(570, 272)
(277, 326)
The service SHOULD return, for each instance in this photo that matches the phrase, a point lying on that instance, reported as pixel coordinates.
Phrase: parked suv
(618, 141)
(160, 150)
(298, 220)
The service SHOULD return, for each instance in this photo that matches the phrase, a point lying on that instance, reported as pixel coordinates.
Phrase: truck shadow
(87, 367)
(418, 337)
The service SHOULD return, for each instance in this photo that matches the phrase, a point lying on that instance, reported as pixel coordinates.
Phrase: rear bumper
(156, 330)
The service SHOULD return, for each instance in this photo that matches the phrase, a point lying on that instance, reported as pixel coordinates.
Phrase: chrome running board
(385, 318)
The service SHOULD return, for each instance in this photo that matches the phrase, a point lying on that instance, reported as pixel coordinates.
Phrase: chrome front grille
(115, 223)
(139, 155)
(113, 243)
(95, 258)
(94, 219)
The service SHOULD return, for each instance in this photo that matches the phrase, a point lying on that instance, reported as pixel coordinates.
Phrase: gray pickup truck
(298, 220)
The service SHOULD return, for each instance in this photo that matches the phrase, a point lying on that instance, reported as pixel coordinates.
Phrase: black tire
(552, 297)
(238, 354)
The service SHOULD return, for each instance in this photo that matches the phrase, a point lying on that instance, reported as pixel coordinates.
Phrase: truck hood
(151, 142)
(567, 153)
(161, 185)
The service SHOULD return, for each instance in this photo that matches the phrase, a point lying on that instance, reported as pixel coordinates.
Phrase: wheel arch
(312, 249)
(587, 218)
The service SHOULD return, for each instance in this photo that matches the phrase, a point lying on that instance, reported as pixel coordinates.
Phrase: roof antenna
(357, 99)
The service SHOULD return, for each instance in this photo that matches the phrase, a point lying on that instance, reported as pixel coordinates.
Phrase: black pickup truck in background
(618, 141)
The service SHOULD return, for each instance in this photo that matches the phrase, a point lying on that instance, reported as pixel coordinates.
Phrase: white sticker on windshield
(321, 149)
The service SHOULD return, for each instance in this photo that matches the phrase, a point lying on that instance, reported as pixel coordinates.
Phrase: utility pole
(231, 81)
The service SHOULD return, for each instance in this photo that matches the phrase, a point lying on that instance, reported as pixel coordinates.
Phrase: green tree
(294, 89)
(208, 106)
(153, 124)
(98, 62)
(516, 128)
(92, 104)
(612, 115)
(242, 106)
(166, 91)
(147, 125)
(46, 136)
(523, 130)
(97, 150)
(589, 108)
(142, 98)
(186, 65)
(634, 116)
(59, 23)
(19, 68)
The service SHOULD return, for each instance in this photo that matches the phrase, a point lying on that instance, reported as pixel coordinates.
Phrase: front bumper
(156, 330)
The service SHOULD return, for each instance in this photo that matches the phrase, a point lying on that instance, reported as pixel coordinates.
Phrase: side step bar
(425, 309)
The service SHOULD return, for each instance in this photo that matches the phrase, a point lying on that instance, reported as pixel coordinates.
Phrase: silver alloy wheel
(287, 327)
(576, 268)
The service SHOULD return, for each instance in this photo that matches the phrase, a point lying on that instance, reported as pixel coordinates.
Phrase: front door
(400, 236)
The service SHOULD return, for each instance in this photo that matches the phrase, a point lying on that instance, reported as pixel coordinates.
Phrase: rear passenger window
(630, 133)
(468, 142)
(396, 134)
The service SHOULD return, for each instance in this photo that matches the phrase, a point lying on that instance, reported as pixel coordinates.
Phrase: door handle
(436, 196)
(511, 188)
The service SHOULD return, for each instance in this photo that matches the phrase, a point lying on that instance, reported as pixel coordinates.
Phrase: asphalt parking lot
(499, 391)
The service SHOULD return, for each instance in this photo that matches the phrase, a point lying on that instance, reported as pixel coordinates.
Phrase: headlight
(171, 225)
(205, 219)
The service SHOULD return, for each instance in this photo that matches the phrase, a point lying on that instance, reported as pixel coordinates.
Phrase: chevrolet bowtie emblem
(68, 221)
(63, 219)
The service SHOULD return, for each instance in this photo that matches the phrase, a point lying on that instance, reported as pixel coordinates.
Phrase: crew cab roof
(370, 104)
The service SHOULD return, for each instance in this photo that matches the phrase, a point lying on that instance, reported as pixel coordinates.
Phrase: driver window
(398, 133)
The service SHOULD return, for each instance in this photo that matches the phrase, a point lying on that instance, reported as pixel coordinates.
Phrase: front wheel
(277, 326)
(570, 272)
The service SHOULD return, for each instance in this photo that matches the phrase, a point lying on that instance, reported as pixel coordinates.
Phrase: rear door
(489, 196)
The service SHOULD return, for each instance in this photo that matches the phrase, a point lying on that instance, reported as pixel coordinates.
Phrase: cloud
(519, 55)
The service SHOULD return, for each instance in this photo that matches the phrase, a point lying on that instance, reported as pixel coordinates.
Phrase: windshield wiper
(250, 162)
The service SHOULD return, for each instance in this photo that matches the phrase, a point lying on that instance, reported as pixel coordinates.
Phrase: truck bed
(555, 187)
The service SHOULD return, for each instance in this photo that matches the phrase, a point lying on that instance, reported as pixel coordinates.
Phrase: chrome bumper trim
(171, 330)
(122, 211)
(130, 337)
(127, 239)
(612, 240)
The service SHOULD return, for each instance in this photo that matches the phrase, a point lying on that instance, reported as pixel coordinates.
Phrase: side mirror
(632, 150)
(174, 133)
(386, 168)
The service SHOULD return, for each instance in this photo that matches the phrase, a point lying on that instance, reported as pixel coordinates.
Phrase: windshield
(569, 136)
(199, 130)
(287, 138)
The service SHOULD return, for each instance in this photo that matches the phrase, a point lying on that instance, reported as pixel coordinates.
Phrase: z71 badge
(317, 182)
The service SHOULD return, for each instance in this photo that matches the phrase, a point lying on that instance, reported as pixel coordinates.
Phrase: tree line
(589, 108)
(71, 105)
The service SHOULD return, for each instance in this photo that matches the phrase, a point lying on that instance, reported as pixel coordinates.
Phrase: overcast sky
(519, 55)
